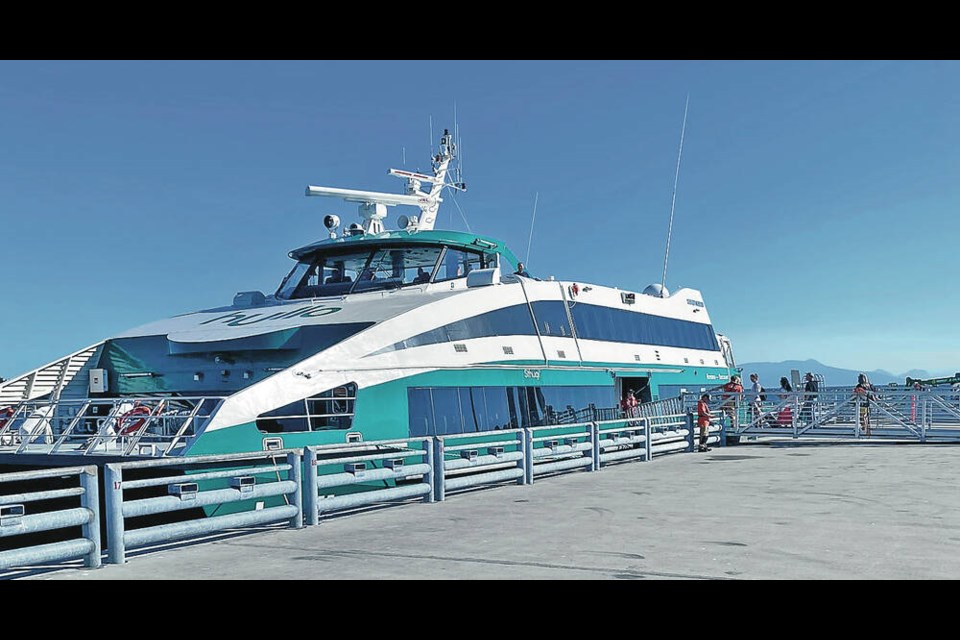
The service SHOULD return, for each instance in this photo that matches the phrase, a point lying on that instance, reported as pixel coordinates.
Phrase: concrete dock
(776, 510)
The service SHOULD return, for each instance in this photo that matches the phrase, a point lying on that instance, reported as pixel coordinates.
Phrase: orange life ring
(135, 421)
(5, 415)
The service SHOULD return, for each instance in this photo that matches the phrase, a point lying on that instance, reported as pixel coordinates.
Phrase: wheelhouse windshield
(333, 274)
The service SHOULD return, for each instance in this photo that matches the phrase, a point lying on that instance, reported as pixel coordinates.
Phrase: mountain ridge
(770, 373)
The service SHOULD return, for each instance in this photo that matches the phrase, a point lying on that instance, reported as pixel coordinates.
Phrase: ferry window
(324, 275)
(615, 325)
(293, 280)
(453, 410)
(552, 318)
(332, 409)
(401, 266)
(457, 263)
(446, 411)
(421, 413)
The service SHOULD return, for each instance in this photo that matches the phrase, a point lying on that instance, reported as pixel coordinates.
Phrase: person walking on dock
(864, 392)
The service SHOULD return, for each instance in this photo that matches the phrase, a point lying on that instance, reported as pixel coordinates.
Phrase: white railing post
(647, 441)
(311, 491)
(113, 491)
(438, 471)
(594, 446)
(294, 475)
(526, 445)
(90, 482)
(430, 478)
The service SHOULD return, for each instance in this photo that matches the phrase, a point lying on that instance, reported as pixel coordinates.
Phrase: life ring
(5, 415)
(137, 419)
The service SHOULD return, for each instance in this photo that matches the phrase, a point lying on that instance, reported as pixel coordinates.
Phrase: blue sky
(816, 210)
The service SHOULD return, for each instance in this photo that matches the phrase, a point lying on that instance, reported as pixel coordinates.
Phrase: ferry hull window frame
(330, 410)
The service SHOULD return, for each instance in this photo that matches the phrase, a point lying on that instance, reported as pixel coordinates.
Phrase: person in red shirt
(733, 391)
(703, 420)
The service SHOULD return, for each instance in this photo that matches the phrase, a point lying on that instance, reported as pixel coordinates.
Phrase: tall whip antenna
(536, 199)
(676, 179)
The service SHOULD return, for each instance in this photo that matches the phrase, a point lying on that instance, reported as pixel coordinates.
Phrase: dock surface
(755, 511)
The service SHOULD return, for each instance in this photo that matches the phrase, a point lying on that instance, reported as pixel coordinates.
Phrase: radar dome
(656, 290)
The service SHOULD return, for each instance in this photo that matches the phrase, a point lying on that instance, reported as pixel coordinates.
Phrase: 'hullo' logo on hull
(237, 319)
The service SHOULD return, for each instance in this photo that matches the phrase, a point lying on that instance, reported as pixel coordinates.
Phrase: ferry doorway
(639, 386)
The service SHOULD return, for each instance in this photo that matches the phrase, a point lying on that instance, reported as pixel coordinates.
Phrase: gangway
(49, 380)
(925, 415)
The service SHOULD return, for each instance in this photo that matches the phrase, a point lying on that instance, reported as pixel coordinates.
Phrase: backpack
(763, 395)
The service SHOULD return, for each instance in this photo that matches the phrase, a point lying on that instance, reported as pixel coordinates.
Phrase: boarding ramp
(929, 415)
(50, 380)
(117, 427)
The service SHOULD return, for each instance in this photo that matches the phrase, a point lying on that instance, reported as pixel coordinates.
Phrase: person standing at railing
(756, 399)
(811, 388)
(865, 392)
(703, 420)
(785, 415)
(733, 392)
(785, 388)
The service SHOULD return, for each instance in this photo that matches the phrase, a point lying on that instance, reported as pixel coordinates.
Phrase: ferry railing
(16, 520)
(205, 481)
(470, 460)
(408, 464)
(133, 426)
(623, 439)
(555, 448)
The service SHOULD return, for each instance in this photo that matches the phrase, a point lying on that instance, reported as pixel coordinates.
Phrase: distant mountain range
(770, 373)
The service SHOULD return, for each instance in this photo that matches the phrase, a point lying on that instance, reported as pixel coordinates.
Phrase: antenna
(536, 199)
(430, 148)
(403, 156)
(676, 179)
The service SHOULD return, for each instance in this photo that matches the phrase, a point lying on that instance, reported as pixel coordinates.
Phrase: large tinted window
(508, 321)
(594, 322)
(552, 318)
(453, 410)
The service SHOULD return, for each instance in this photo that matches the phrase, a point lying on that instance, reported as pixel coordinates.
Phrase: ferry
(373, 334)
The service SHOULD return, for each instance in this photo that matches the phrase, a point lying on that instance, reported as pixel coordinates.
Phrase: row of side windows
(592, 322)
(440, 411)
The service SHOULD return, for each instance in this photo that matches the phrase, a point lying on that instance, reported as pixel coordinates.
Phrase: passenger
(367, 275)
(733, 392)
(785, 388)
(521, 270)
(757, 398)
(629, 404)
(703, 420)
(338, 275)
(422, 276)
(865, 392)
(811, 388)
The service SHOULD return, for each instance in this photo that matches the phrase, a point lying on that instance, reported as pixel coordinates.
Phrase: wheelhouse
(402, 259)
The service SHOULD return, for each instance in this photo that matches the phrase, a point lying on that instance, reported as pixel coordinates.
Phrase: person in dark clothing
(521, 270)
(811, 388)
(864, 392)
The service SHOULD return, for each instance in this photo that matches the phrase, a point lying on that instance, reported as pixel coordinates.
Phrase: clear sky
(816, 210)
